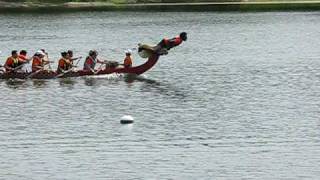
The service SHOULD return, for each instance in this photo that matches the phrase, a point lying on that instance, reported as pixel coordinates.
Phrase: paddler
(127, 62)
(46, 55)
(38, 61)
(46, 58)
(91, 61)
(23, 56)
(13, 62)
(64, 63)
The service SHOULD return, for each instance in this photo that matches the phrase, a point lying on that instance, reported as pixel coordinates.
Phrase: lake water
(239, 100)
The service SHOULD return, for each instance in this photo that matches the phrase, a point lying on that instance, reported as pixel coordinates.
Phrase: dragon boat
(44, 74)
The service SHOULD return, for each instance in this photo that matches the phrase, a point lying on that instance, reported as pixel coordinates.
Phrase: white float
(127, 119)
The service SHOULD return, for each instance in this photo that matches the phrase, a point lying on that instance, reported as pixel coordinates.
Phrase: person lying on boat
(163, 46)
(91, 61)
(127, 62)
(173, 42)
(64, 64)
(13, 62)
(38, 61)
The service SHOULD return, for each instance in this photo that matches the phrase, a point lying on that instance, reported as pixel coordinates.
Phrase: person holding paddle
(91, 61)
(38, 61)
(13, 62)
(64, 63)
(23, 56)
(72, 59)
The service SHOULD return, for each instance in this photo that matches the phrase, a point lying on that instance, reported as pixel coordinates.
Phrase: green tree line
(113, 1)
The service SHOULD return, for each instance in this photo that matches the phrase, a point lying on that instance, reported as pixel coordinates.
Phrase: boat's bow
(152, 60)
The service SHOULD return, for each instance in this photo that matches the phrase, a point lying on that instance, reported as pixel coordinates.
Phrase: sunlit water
(239, 100)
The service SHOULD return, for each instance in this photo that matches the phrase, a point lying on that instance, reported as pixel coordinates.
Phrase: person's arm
(8, 67)
(27, 60)
(45, 62)
(76, 58)
(22, 61)
(100, 61)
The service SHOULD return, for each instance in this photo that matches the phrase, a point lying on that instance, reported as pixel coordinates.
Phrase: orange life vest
(12, 62)
(127, 61)
(36, 63)
(64, 64)
(23, 58)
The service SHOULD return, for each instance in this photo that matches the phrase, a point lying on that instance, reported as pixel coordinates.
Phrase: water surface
(239, 100)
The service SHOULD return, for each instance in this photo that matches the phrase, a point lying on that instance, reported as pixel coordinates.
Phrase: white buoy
(127, 119)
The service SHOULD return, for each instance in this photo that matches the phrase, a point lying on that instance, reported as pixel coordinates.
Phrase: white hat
(40, 53)
(128, 51)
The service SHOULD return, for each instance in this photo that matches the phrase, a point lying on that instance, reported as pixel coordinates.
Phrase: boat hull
(152, 60)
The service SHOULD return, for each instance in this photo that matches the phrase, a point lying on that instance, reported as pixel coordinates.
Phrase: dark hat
(63, 54)
(14, 52)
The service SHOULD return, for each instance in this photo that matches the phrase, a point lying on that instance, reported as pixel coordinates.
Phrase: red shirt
(173, 42)
(90, 63)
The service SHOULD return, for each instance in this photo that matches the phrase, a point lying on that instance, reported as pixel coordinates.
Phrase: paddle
(100, 68)
(36, 72)
(96, 72)
(14, 69)
(49, 64)
(64, 72)
(18, 67)
(79, 58)
(41, 68)
(73, 59)
(93, 71)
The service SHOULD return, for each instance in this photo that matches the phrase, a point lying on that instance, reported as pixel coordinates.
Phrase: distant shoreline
(7, 7)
